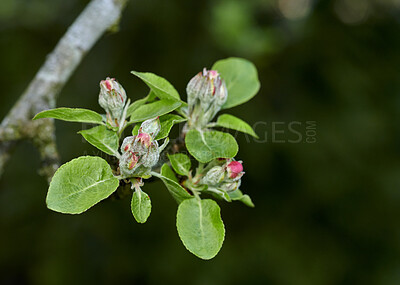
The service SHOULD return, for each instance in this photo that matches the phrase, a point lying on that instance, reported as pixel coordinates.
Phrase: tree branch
(42, 92)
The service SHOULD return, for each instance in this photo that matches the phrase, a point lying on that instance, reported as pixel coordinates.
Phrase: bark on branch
(41, 94)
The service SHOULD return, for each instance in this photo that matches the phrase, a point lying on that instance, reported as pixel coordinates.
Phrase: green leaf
(218, 193)
(234, 123)
(175, 189)
(167, 172)
(241, 80)
(154, 109)
(180, 163)
(166, 121)
(237, 195)
(206, 146)
(160, 86)
(140, 206)
(135, 129)
(135, 105)
(71, 115)
(79, 184)
(200, 227)
(102, 138)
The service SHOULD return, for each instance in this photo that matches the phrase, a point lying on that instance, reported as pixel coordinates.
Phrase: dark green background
(326, 213)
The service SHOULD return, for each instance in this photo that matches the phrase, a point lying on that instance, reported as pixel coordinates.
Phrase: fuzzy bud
(128, 163)
(151, 127)
(226, 176)
(112, 99)
(144, 139)
(207, 87)
(139, 154)
(150, 158)
(207, 93)
(127, 143)
(214, 176)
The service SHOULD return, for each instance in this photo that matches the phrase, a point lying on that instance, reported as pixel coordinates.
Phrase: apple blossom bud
(207, 87)
(128, 163)
(112, 99)
(234, 169)
(150, 158)
(151, 127)
(144, 139)
(207, 93)
(139, 154)
(222, 94)
(193, 87)
(214, 176)
(127, 143)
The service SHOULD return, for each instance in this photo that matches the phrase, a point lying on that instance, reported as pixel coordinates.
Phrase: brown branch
(41, 94)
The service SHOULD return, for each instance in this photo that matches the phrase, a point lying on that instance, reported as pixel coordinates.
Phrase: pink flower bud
(112, 89)
(234, 168)
(144, 139)
(112, 99)
(139, 154)
(206, 86)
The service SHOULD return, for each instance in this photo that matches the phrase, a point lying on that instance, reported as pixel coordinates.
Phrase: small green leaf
(102, 138)
(154, 109)
(79, 184)
(180, 163)
(218, 193)
(166, 121)
(175, 189)
(237, 195)
(135, 129)
(206, 146)
(167, 172)
(241, 80)
(247, 201)
(135, 105)
(140, 206)
(71, 115)
(200, 227)
(234, 123)
(160, 86)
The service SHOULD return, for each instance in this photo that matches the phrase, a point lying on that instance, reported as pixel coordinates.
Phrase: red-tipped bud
(144, 139)
(207, 86)
(112, 91)
(234, 168)
(112, 98)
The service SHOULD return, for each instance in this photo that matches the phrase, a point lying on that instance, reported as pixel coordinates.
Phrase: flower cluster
(207, 93)
(141, 152)
(226, 177)
(112, 99)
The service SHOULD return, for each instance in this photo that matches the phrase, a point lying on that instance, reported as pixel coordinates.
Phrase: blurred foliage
(326, 213)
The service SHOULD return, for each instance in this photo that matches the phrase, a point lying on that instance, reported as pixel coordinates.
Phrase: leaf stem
(123, 123)
(156, 174)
